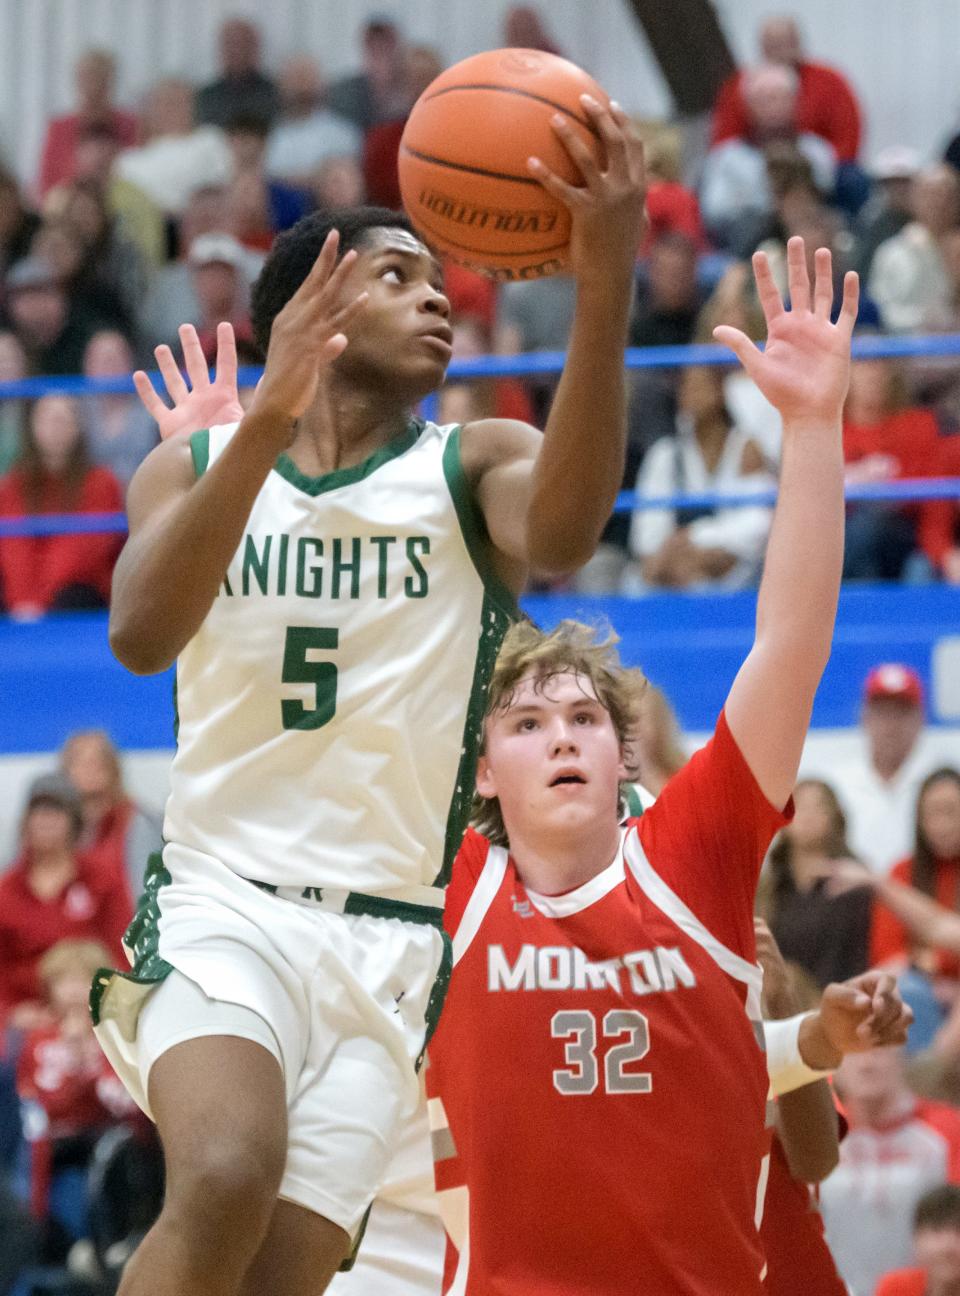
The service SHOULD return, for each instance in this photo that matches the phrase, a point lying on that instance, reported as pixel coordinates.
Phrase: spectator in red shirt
(886, 439)
(52, 892)
(826, 103)
(63, 1074)
(117, 832)
(95, 72)
(936, 1240)
(54, 475)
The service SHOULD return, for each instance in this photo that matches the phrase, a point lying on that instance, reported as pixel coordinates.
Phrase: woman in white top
(684, 548)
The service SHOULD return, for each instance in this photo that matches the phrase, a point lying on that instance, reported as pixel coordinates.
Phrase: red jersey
(799, 1262)
(596, 1090)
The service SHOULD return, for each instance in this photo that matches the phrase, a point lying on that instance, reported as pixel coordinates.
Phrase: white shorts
(403, 1245)
(343, 1000)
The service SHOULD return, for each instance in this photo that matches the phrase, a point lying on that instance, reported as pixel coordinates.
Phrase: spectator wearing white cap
(878, 788)
(887, 210)
(219, 266)
(909, 278)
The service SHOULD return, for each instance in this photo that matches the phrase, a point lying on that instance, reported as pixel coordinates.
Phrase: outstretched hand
(607, 207)
(804, 368)
(204, 403)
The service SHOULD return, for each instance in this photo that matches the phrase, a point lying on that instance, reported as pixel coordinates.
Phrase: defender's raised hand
(308, 334)
(606, 210)
(805, 366)
(204, 403)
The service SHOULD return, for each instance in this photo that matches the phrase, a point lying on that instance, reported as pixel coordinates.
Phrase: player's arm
(546, 499)
(806, 1116)
(803, 371)
(184, 531)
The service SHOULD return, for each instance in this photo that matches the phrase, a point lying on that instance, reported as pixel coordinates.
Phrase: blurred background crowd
(144, 216)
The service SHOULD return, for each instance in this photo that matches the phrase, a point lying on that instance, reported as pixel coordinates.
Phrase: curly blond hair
(571, 648)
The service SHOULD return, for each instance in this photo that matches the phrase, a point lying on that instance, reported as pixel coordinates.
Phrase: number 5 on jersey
(297, 669)
(581, 1074)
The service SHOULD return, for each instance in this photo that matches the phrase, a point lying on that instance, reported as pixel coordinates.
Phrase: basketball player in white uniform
(332, 578)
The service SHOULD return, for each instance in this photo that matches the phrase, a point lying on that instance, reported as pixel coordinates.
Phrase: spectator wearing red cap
(51, 893)
(878, 787)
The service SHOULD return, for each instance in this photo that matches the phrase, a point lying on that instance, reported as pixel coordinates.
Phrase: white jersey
(330, 706)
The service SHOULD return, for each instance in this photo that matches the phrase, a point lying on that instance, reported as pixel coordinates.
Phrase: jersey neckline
(289, 471)
(582, 897)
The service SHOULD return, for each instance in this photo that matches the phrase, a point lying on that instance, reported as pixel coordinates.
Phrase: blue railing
(528, 364)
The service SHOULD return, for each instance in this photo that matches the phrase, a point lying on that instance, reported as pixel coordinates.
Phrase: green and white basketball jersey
(330, 706)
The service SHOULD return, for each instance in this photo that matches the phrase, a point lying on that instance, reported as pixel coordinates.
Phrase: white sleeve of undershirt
(785, 1067)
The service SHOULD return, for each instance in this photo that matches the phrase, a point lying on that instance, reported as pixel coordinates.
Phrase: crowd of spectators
(139, 221)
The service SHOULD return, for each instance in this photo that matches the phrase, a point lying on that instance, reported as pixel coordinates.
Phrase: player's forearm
(580, 465)
(807, 1124)
(168, 576)
(797, 602)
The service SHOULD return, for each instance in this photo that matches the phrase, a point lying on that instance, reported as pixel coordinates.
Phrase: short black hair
(939, 1208)
(295, 251)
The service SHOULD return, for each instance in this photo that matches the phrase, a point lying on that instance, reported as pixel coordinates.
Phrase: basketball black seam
(473, 170)
(525, 94)
(465, 247)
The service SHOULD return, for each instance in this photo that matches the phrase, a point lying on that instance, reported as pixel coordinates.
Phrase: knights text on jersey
(330, 705)
(596, 1088)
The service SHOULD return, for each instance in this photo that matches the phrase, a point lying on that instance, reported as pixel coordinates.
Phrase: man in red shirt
(95, 72)
(52, 893)
(597, 1096)
(936, 1239)
(826, 104)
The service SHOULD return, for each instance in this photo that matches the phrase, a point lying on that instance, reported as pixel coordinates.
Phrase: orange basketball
(463, 160)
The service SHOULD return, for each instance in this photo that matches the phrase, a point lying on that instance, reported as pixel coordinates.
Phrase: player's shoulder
(488, 443)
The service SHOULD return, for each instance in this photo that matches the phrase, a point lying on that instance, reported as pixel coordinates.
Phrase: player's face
(553, 758)
(402, 339)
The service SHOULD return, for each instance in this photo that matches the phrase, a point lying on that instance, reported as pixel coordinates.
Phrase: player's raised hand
(204, 403)
(805, 367)
(607, 207)
(308, 334)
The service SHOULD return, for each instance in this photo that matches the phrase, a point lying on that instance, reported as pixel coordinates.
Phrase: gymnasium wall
(900, 56)
(58, 675)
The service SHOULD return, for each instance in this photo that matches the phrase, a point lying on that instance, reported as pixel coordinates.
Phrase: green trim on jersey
(474, 527)
(634, 804)
(200, 450)
(142, 937)
(289, 471)
(498, 613)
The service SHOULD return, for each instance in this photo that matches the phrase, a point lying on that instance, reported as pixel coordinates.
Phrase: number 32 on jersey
(581, 1075)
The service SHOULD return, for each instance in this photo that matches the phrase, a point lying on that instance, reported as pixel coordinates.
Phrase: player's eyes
(526, 726)
(583, 718)
(394, 273)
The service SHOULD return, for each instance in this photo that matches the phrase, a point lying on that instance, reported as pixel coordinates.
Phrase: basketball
(463, 160)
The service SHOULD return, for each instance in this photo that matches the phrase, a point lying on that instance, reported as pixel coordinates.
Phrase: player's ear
(486, 784)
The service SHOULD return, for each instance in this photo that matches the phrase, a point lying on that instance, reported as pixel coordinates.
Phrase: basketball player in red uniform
(597, 1091)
